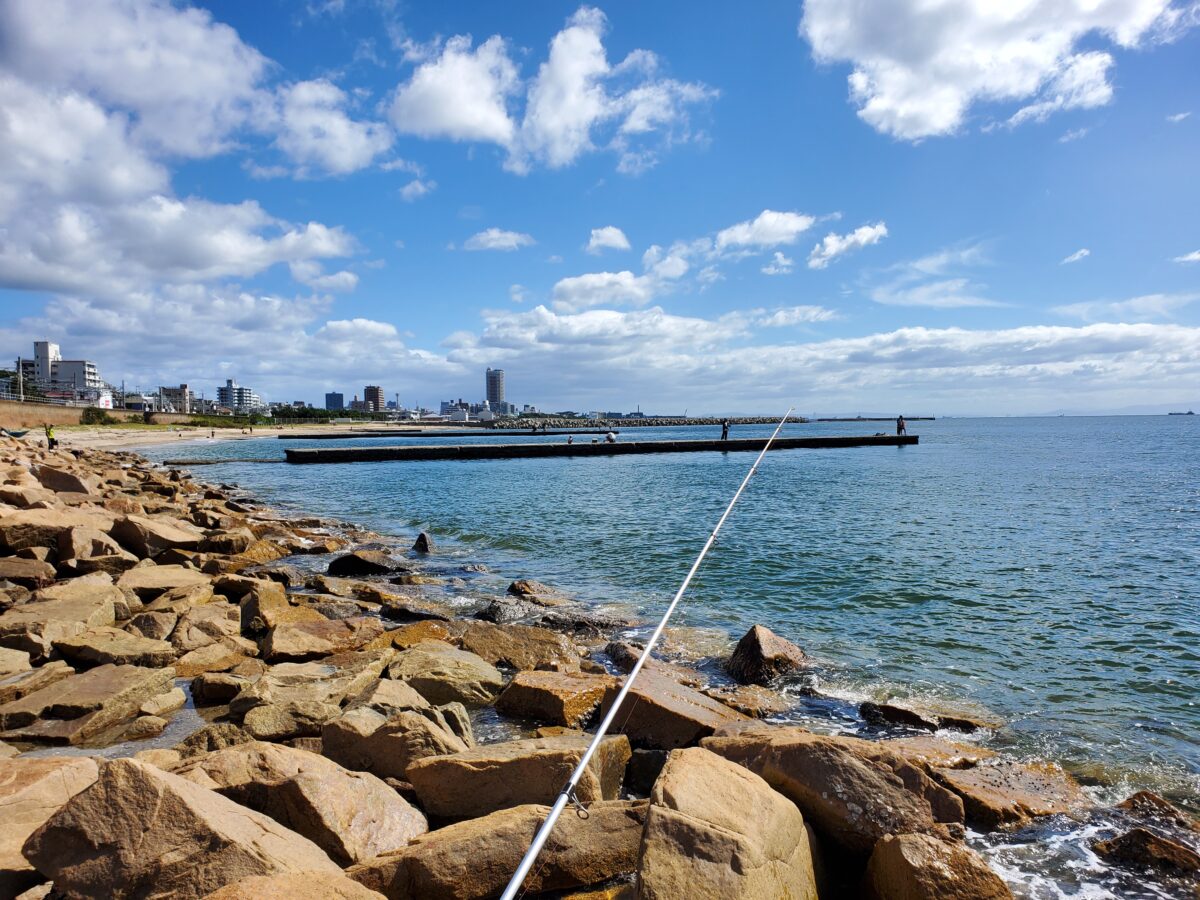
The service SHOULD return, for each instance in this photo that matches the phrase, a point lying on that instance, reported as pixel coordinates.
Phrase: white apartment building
(239, 399)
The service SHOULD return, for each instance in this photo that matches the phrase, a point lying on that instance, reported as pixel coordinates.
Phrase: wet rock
(139, 831)
(920, 717)
(761, 656)
(662, 714)
(931, 752)
(27, 573)
(305, 886)
(481, 780)
(81, 706)
(920, 867)
(145, 727)
(561, 698)
(536, 592)
(106, 644)
(366, 740)
(150, 581)
(714, 829)
(444, 674)
(146, 537)
(362, 562)
(293, 642)
(1001, 792)
(474, 860)
(1149, 806)
(751, 700)
(625, 656)
(851, 791)
(423, 543)
(31, 791)
(1144, 849)
(20, 684)
(507, 611)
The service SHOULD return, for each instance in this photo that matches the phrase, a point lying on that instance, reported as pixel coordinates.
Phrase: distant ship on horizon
(1188, 413)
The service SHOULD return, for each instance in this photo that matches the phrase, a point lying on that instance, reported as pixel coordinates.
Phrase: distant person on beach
(724, 429)
(900, 427)
(610, 438)
(51, 440)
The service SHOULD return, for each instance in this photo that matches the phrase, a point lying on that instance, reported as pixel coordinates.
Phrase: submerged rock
(362, 562)
(761, 656)
(920, 867)
(1143, 848)
(1001, 793)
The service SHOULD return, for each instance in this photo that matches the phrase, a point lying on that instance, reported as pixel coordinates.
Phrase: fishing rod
(567, 795)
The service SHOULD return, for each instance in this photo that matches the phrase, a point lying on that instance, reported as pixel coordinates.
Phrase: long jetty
(397, 433)
(541, 450)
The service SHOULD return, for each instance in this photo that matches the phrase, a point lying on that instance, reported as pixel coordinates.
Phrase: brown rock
(386, 696)
(145, 727)
(281, 721)
(219, 656)
(228, 542)
(715, 829)
(852, 791)
(200, 626)
(919, 867)
(31, 791)
(519, 647)
(362, 562)
(300, 641)
(1143, 848)
(1149, 806)
(61, 480)
(386, 745)
(305, 886)
(213, 688)
(212, 737)
(41, 527)
(150, 581)
(1000, 793)
(33, 627)
(107, 644)
(81, 543)
(114, 564)
(139, 831)
(536, 592)
(660, 713)
(28, 573)
(474, 860)
(921, 717)
(154, 625)
(928, 752)
(164, 703)
(625, 656)
(330, 681)
(19, 684)
(561, 698)
(13, 661)
(146, 537)
(761, 655)
(481, 780)
(751, 700)
(444, 674)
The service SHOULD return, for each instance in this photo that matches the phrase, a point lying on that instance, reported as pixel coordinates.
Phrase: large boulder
(199, 626)
(715, 829)
(63, 481)
(150, 581)
(1142, 848)
(386, 745)
(518, 646)
(300, 641)
(31, 791)
(362, 562)
(147, 537)
(475, 859)
(34, 627)
(920, 867)
(304, 886)
(322, 681)
(852, 791)
(142, 832)
(41, 527)
(1001, 793)
(560, 698)
(84, 543)
(444, 674)
(762, 655)
(106, 644)
(483, 779)
(266, 606)
(662, 714)
(293, 719)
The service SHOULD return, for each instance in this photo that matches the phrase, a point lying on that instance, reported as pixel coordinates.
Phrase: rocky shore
(347, 721)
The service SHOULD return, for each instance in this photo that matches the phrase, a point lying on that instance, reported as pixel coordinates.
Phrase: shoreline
(521, 631)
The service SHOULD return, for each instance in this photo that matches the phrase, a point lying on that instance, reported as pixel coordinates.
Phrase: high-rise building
(45, 356)
(239, 399)
(495, 387)
(373, 397)
(334, 400)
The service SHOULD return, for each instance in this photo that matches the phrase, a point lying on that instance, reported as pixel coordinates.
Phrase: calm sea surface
(1044, 570)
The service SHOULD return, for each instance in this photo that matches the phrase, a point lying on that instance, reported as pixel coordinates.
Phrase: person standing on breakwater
(724, 429)
(900, 426)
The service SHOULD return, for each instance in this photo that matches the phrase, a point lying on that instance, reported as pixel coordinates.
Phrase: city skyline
(619, 205)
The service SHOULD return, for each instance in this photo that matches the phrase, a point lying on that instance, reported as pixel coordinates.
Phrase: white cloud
(787, 316)
(517, 293)
(779, 265)
(1075, 257)
(834, 245)
(417, 188)
(600, 288)
(607, 238)
(1147, 308)
(311, 273)
(461, 95)
(314, 130)
(1193, 257)
(1176, 118)
(498, 239)
(935, 281)
(768, 229)
(1074, 134)
(921, 75)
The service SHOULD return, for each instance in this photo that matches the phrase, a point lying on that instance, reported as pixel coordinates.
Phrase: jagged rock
(114, 564)
(81, 706)
(212, 737)
(852, 791)
(280, 721)
(41, 527)
(31, 791)
(761, 655)
(154, 625)
(625, 656)
(63, 481)
(13, 661)
(474, 860)
(920, 867)
(164, 703)
(481, 780)
(1149, 806)
(150, 581)
(386, 745)
(715, 829)
(106, 644)
(140, 831)
(518, 646)
(660, 713)
(257, 554)
(20, 684)
(362, 562)
(300, 641)
(81, 543)
(508, 610)
(444, 674)
(561, 698)
(920, 717)
(1143, 848)
(305, 886)
(330, 681)
(999, 793)
(146, 537)
(199, 626)
(266, 606)
(27, 573)
(387, 696)
(230, 542)
(24, 497)
(423, 543)
(219, 656)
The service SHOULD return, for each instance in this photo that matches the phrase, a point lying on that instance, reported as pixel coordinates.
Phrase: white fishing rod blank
(567, 795)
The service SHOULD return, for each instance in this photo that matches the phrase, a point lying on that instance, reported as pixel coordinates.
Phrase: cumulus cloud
(607, 238)
(768, 229)
(779, 265)
(600, 288)
(1147, 308)
(835, 245)
(921, 75)
(417, 188)
(1075, 257)
(1193, 257)
(498, 239)
(314, 130)
(311, 273)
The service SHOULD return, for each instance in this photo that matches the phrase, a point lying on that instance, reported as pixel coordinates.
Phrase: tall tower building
(373, 397)
(46, 357)
(495, 387)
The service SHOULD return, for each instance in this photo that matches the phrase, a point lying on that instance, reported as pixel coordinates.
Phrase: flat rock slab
(107, 644)
(34, 626)
(306, 886)
(28, 573)
(662, 714)
(41, 527)
(920, 867)
(715, 829)
(1001, 793)
(483, 779)
(150, 581)
(560, 698)
(147, 537)
(444, 674)
(21, 684)
(142, 832)
(520, 647)
(13, 661)
(923, 717)
(474, 860)
(310, 640)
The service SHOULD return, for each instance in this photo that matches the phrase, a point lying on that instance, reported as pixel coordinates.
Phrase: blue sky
(941, 208)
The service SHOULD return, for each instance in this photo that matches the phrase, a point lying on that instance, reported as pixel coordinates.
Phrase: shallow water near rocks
(1040, 569)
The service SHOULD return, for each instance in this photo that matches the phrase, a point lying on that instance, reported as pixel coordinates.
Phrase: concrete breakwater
(344, 683)
(544, 450)
(439, 433)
